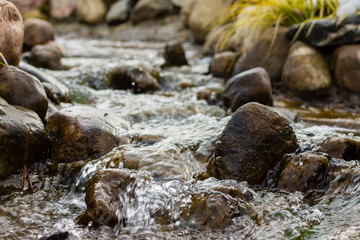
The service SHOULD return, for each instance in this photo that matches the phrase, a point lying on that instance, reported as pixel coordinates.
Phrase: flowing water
(170, 141)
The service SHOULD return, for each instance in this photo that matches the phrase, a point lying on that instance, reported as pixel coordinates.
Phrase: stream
(170, 140)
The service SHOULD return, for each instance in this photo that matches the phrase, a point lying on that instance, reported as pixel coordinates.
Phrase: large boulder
(11, 33)
(250, 86)
(185, 12)
(268, 53)
(90, 11)
(202, 17)
(304, 171)
(222, 64)
(20, 88)
(149, 9)
(345, 148)
(22, 138)
(253, 142)
(45, 56)
(305, 71)
(82, 132)
(347, 68)
(37, 31)
(27, 5)
(61, 9)
(118, 12)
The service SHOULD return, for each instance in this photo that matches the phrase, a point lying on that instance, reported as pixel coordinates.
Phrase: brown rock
(61, 9)
(11, 32)
(37, 31)
(27, 5)
(174, 54)
(253, 142)
(304, 171)
(222, 64)
(149, 9)
(45, 56)
(90, 11)
(345, 148)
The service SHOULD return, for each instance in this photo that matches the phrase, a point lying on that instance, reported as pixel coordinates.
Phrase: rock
(57, 236)
(118, 12)
(187, 6)
(22, 138)
(347, 67)
(202, 16)
(90, 11)
(328, 32)
(266, 53)
(222, 64)
(11, 33)
(149, 9)
(305, 71)
(55, 90)
(82, 132)
(37, 31)
(36, 13)
(250, 86)
(45, 56)
(345, 148)
(20, 88)
(174, 54)
(62, 9)
(102, 196)
(140, 80)
(27, 5)
(253, 142)
(304, 171)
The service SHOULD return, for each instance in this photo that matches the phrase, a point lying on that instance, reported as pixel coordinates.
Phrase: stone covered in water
(37, 31)
(45, 56)
(345, 148)
(250, 86)
(304, 171)
(253, 142)
(82, 132)
(22, 138)
(20, 88)
(11, 32)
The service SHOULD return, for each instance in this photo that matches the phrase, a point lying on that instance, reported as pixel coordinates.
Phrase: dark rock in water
(328, 32)
(11, 33)
(118, 12)
(347, 68)
(250, 86)
(57, 236)
(140, 80)
(20, 88)
(345, 148)
(304, 171)
(102, 196)
(55, 90)
(253, 142)
(22, 138)
(174, 55)
(37, 31)
(223, 63)
(268, 53)
(149, 9)
(305, 71)
(82, 132)
(45, 56)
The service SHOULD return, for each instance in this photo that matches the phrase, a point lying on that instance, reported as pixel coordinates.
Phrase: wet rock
(347, 68)
(253, 142)
(187, 6)
(27, 5)
(149, 9)
(45, 56)
(55, 90)
(118, 12)
(57, 236)
(37, 31)
(11, 33)
(222, 64)
(90, 11)
(82, 132)
(345, 148)
(62, 9)
(174, 54)
(102, 196)
(249, 86)
(213, 212)
(304, 171)
(266, 53)
(328, 32)
(20, 88)
(22, 138)
(202, 16)
(138, 79)
(305, 71)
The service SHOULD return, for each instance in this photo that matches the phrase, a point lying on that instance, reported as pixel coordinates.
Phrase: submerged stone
(345, 148)
(253, 142)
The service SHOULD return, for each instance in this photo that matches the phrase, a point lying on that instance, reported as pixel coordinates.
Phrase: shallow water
(170, 141)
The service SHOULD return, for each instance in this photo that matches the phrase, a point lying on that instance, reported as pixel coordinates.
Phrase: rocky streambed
(155, 163)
